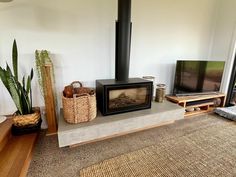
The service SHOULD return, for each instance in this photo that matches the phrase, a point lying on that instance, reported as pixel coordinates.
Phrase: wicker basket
(82, 107)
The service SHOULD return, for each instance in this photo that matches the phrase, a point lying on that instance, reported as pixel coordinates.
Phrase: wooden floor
(15, 151)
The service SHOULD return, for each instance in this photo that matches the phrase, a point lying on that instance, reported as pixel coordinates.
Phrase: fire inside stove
(127, 97)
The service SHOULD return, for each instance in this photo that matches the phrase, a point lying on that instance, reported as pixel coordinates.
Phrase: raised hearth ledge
(104, 127)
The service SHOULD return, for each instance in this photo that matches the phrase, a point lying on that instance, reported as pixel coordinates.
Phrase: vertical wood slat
(50, 101)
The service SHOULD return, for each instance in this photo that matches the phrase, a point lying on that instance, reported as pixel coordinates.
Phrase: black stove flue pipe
(123, 40)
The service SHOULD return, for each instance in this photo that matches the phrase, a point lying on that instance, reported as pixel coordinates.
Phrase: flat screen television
(193, 77)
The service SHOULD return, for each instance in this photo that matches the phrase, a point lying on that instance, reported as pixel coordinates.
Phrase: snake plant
(20, 91)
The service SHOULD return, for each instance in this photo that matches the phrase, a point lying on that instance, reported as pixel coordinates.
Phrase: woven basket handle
(76, 82)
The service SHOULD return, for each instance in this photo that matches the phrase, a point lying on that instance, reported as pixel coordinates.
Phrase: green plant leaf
(26, 107)
(15, 94)
(8, 72)
(23, 82)
(14, 59)
(29, 92)
(28, 85)
(3, 77)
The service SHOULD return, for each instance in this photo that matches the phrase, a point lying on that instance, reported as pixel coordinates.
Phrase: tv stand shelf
(197, 104)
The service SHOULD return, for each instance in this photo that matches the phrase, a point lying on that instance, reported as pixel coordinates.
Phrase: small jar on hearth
(160, 93)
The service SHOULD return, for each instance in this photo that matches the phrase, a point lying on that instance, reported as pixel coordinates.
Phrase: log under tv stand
(200, 103)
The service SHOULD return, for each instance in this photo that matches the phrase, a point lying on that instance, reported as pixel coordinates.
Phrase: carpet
(201, 146)
(209, 152)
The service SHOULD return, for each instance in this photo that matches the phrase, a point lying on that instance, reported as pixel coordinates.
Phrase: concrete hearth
(114, 125)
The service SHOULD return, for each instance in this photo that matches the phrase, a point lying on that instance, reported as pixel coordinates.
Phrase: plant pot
(21, 130)
(25, 124)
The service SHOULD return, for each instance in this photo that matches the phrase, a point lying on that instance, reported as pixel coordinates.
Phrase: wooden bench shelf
(15, 151)
(206, 103)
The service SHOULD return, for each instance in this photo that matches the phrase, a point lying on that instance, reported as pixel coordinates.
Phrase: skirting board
(103, 127)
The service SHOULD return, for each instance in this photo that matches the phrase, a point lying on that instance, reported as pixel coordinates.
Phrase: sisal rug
(207, 152)
(200, 146)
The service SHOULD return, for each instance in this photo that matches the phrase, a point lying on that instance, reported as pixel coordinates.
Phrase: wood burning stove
(123, 94)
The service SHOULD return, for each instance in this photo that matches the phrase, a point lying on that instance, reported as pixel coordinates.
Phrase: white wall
(223, 46)
(167, 30)
(81, 35)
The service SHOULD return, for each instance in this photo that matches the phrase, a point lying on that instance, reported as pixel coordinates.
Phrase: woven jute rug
(205, 152)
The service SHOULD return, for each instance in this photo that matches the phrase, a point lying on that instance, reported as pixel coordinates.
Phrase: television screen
(198, 76)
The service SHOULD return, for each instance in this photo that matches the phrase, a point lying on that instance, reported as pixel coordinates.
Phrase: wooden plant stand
(50, 101)
(206, 103)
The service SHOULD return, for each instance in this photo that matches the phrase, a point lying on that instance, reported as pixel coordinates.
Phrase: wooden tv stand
(205, 103)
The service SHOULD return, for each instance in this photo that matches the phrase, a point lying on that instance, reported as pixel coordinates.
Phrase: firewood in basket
(68, 91)
(83, 90)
